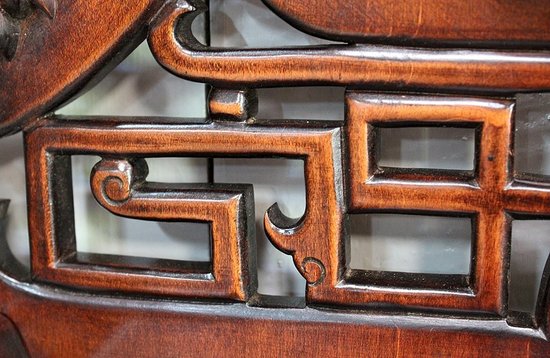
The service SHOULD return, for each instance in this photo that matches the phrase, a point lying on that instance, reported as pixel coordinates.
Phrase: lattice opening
(427, 147)
(322, 103)
(277, 275)
(530, 250)
(99, 232)
(411, 243)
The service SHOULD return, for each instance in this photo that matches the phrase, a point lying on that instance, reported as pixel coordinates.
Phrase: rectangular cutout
(320, 103)
(100, 232)
(411, 243)
(532, 135)
(530, 249)
(109, 240)
(450, 192)
(426, 147)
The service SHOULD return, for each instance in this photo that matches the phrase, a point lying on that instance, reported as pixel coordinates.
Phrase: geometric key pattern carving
(119, 183)
(342, 177)
(480, 195)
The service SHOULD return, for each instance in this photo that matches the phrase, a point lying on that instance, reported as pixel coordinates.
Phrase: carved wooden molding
(135, 303)
(174, 46)
(421, 23)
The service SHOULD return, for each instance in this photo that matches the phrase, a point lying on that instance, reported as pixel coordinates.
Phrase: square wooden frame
(439, 192)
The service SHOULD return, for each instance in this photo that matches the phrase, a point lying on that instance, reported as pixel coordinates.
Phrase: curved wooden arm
(176, 49)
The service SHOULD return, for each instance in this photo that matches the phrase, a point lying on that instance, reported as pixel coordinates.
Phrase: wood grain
(492, 23)
(76, 304)
(56, 58)
(384, 67)
(102, 326)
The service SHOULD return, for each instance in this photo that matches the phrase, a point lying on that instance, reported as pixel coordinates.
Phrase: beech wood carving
(463, 65)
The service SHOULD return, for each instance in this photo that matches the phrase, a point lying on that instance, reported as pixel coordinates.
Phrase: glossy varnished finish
(116, 189)
(120, 187)
(59, 323)
(480, 194)
(463, 22)
(76, 304)
(174, 46)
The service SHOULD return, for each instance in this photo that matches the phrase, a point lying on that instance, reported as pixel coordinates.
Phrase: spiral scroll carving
(113, 180)
(314, 271)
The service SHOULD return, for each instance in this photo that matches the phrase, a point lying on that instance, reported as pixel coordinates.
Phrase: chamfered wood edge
(179, 328)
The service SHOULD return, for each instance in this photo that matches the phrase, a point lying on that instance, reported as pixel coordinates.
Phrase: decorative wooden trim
(174, 46)
(119, 186)
(115, 305)
(477, 195)
(464, 23)
(137, 327)
(47, 155)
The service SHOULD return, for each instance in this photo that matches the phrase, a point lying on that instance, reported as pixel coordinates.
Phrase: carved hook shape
(176, 49)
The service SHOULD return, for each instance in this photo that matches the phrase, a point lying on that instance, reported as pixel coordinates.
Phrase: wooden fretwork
(464, 63)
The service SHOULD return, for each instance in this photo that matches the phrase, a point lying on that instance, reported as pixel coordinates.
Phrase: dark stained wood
(59, 323)
(483, 197)
(77, 304)
(56, 57)
(117, 185)
(493, 23)
(346, 65)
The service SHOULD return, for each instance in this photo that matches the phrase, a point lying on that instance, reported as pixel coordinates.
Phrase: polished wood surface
(75, 304)
(373, 66)
(57, 56)
(477, 23)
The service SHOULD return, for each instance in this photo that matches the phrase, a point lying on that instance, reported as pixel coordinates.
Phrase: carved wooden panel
(479, 194)
(70, 303)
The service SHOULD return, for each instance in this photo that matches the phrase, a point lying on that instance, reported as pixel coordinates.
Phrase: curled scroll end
(169, 29)
(542, 312)
(113, 180)
(164, 24)
(313, 271)
(279, 228)
(284, 233)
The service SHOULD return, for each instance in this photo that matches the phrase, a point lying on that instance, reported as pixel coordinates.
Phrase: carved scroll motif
(120, 186)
